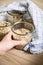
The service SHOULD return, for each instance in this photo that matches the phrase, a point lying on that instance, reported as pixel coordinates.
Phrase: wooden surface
(17, 57)
(39, 3)
(5, 2)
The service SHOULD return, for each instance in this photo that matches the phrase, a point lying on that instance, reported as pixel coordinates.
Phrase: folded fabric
(36, 46)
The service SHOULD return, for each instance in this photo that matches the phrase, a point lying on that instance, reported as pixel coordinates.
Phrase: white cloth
(37, 16)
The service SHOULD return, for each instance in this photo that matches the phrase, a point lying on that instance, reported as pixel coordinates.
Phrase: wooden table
(39, 3)
(17, 57)
(5, 2)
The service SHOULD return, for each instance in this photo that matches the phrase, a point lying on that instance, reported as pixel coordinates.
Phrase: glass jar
(22, 31)
(5, 27)
(14, 16)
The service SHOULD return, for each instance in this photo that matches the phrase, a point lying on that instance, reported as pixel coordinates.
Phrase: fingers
(19, 42)
(9, 34)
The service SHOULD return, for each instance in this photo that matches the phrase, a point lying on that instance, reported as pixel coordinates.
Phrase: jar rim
(14, 13)
(25, 28)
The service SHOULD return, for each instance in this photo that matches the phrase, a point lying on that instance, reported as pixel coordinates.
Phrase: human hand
(7, 43)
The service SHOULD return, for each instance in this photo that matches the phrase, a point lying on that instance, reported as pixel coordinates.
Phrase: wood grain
(17, 57)
(6, 2)
(39, 3)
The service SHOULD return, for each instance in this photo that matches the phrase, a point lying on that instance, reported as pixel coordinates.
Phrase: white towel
(36, 46)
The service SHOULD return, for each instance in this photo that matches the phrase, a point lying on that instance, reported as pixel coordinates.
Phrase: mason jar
(22, 32)
(14, 16)
(5, 27)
